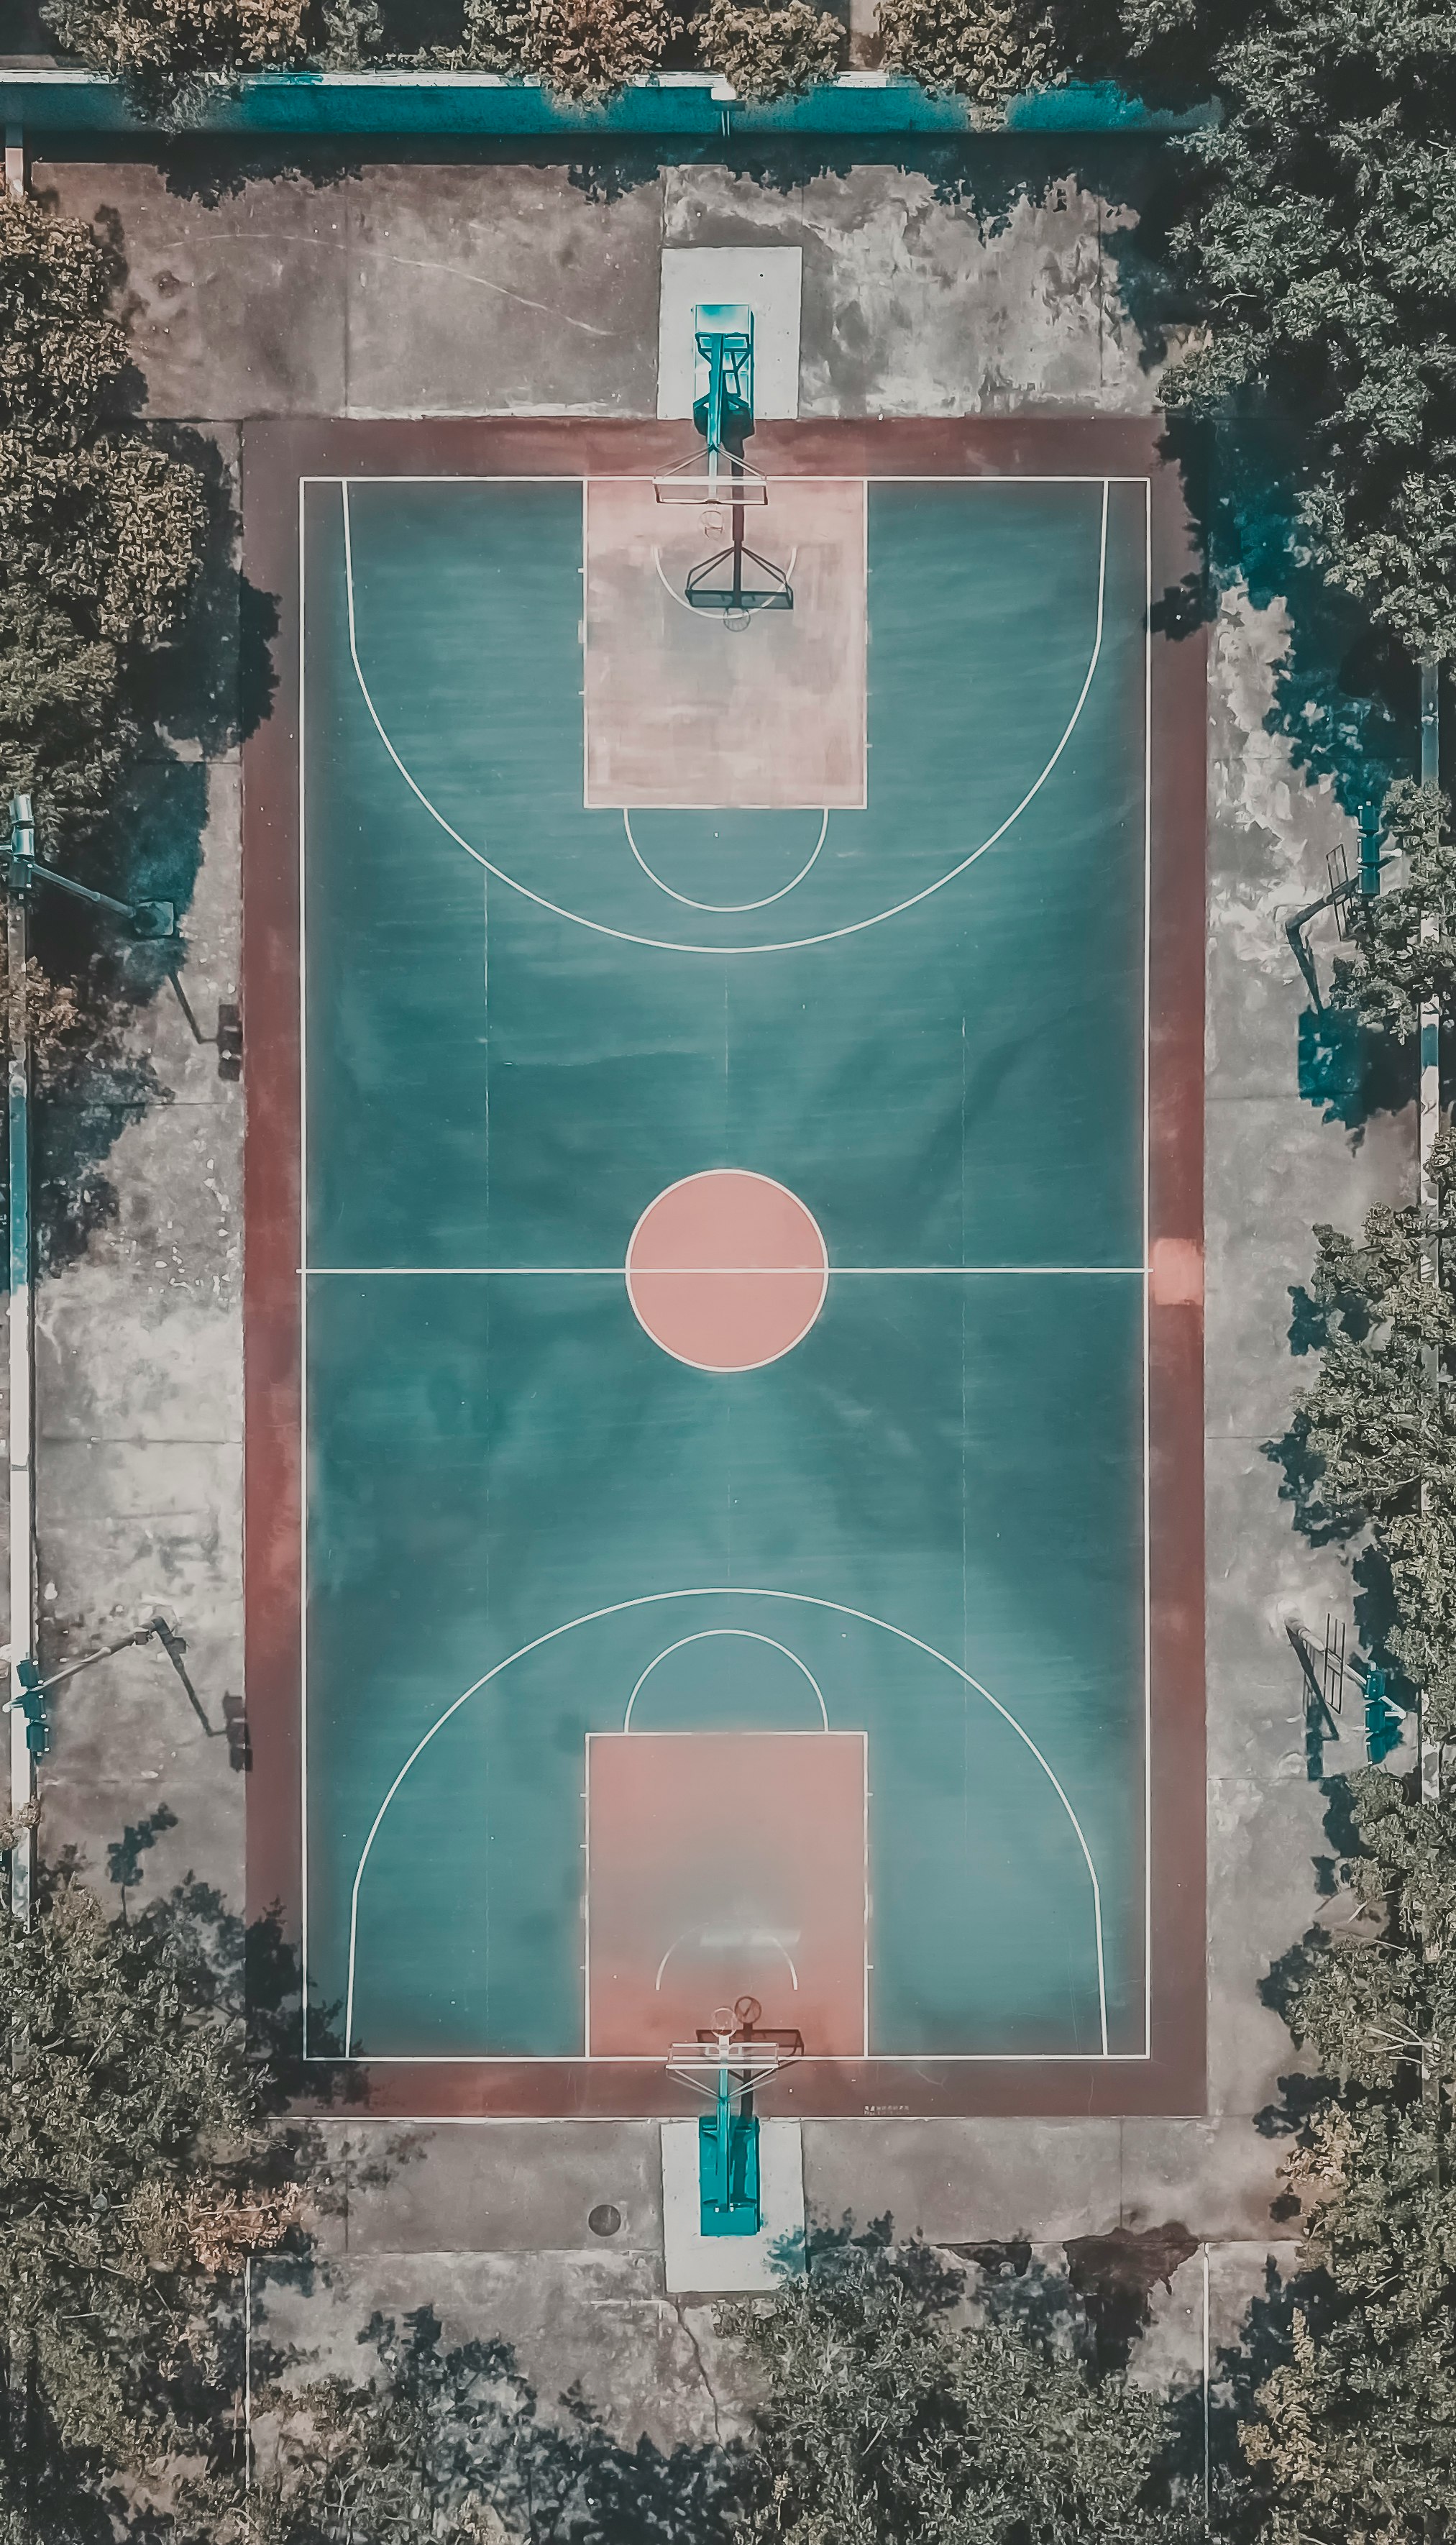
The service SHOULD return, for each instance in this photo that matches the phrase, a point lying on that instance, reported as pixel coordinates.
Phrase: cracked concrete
(984, 278)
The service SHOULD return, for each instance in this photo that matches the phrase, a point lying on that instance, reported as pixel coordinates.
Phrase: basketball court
(725, 1275)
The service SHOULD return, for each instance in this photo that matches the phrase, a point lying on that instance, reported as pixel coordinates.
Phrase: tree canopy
(1352, 2434)
(1320, 242)
(135, 2173)
(889, 2414)
(100, 530)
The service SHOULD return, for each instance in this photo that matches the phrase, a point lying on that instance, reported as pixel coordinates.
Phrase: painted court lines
(729, 1267)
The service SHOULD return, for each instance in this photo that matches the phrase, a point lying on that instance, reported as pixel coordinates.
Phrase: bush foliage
(588, 48)
(101, 530)
(1319, 244)
(983, 50)
(134, 2177)
(888, 2413)
(1351, 2432)
(769, 51)
(173, 53)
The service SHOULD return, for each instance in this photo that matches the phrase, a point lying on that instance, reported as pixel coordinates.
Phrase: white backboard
(770, 279)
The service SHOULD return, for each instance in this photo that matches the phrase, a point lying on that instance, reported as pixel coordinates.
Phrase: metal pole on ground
(22, 1376)
(1430, 1102)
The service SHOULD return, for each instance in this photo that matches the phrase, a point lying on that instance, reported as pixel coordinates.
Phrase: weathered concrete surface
(483, 290)
(435, 289)
(916, 305)
(504, 2186)
(139, 1434)
(1273, 1168)
(645, 2365)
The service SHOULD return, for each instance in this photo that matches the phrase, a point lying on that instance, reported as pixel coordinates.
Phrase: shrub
(1317, 242)
(1350, 2434)
(983, 50)
(100, 531)
(353, 32)
(496, 37)
(172, 54)
(887, 2414)
(590, 49)
(770, 52)
(136, 2175)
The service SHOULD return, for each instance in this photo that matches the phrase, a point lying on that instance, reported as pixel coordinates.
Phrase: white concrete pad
(770, 279)
(746, 2265)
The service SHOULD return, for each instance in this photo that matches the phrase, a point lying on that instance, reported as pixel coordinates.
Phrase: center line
(616, 1271)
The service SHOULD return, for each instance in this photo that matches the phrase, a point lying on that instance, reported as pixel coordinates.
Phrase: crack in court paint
(669, 946)
(731, 1591)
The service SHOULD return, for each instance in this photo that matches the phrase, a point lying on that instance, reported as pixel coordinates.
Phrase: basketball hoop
(719, 478)
(727, 2061)
(688, 483)
(735, 2047)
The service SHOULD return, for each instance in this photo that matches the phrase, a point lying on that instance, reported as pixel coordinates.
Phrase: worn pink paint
(727, 1270)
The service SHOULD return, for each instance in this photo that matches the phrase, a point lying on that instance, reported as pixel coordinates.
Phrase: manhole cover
(604, 2219)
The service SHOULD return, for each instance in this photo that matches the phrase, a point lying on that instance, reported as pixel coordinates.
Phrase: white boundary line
(776, 1941)
(670, 945)
(730, 909)
(1146, 1286)
(615, 1272)
(795, 476)
(714, 1634)
(1106, 481)
(725, 1591)
(303, 1285)
(869, 1965)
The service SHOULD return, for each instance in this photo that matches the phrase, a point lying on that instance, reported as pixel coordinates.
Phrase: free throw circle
(727, 1270)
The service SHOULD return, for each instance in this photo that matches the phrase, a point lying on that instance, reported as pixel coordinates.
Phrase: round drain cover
(604, 2219)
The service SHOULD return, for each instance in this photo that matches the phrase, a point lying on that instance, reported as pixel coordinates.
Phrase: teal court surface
(724, 1268)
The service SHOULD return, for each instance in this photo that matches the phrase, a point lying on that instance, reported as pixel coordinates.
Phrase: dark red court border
(274, 456)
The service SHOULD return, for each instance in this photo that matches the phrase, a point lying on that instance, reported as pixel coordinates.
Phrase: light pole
(29, 1700)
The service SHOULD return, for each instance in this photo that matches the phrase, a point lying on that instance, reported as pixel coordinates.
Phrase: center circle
(727, 1270)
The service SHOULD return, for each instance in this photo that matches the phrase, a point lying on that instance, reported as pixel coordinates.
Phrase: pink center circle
(727, 1271)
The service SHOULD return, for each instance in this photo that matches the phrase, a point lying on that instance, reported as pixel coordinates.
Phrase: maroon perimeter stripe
(276, 456)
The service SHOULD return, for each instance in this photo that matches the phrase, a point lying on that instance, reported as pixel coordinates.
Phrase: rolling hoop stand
(728, 2060)
(736, 581)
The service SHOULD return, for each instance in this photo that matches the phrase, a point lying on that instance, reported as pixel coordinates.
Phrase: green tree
(1320, 239)
(983, 50)
(591, 48)
(1405, 938)
(173, 55)
(888, 2414)
(1374, 1438)
(769, 51)
(101, 530)
(136, 2172)
(1352, 2435)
